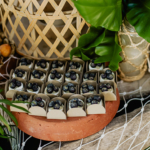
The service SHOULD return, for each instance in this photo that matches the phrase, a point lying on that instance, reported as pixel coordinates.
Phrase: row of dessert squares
(59, 64)
(60, 76)
(59, 104)
(58, 89)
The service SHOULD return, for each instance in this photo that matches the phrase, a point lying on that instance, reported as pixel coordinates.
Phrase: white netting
(21, 142)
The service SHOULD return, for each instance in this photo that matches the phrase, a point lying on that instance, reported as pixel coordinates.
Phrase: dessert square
(33, 87)
(22, 97)
(20, 73)
(97, 67)
(42, 64)
(57, 109)
(89, 76)
(38, 106)
(105, 87)
(76, 103)
(72, 76)
(52, 89)
(38, 101)
(38, 74)
(57, 64)
(57, 105)
(55, 75)
(75, 65)
(108, 75)
(88, 88)
(26, 62)
(17, 85)
(76, 106)
(95, 104)
(69, 88)
(96, 99)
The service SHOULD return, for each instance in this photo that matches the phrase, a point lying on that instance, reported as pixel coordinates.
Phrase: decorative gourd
(5, 50)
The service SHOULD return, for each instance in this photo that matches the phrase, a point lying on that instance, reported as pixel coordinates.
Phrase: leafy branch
(100, 43)
(105, 17)
(4, 121)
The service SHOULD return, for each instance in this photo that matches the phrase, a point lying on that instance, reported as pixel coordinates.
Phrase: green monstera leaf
(100, 43)
(139, 17)
(87, 43)
(109, 51)
(104, 13)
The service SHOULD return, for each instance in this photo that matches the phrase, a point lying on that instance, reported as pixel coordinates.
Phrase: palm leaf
(6, 136)
(10, 114)
(104, 13)
(11, 104)
(3, 120)
(1, 131)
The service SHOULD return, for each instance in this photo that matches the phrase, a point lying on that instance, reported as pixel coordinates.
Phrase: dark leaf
(3, 120)
(1, 131)
(84, 57)
(109, 51)
(91, 39)
(88, 42)
(139, 16)
(104, 13)
(6, 136)
(11, 104)
(10, 114)
(75, 52)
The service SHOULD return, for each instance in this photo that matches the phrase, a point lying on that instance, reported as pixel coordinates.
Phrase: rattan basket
(42, 28)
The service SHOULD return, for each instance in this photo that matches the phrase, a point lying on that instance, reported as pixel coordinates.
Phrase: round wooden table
(68, 130)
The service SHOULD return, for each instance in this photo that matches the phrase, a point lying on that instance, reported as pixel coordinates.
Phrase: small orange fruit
(5, 50)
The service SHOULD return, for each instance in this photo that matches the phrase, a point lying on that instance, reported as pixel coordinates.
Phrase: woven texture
(49, 28)
(137, 54)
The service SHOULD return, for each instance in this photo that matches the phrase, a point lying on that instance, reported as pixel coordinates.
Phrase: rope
(143, 66)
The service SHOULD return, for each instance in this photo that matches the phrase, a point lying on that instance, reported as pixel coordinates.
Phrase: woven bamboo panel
(42, 28)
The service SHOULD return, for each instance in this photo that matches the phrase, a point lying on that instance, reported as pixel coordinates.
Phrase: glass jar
(134, 50)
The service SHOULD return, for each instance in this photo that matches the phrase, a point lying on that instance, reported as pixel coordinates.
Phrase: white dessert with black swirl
(76, 103)
(33, 88)
(97, 67)
(75, 65)
(58, 65)
(69, 88)
(37, 74)
(89, 76)
(16, 85)
(55, 76)
(105, 87)
(56, 105)
(26, 62)
(72, 76)
(94, 100)
(107, 76)
(52, 89)
(20, 74)
(42, 64)
(87, 89)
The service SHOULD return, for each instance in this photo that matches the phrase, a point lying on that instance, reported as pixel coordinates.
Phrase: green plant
(105, 18)
(3, 120)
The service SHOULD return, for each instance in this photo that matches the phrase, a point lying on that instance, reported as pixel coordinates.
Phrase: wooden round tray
(66, 130)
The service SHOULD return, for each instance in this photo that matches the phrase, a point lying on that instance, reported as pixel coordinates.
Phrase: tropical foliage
(4, 121)
(105, 18)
